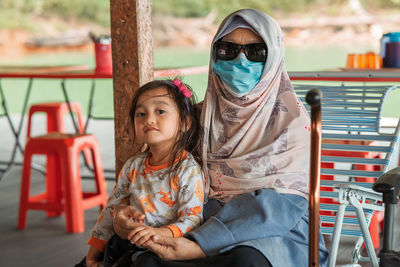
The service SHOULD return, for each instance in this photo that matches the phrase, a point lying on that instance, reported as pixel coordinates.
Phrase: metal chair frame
(351, 128)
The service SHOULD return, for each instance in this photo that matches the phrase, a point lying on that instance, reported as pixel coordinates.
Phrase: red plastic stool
(56, 112)
(63, 190)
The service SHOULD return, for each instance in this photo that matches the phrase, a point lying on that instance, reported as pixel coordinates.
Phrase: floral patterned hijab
(260, 140)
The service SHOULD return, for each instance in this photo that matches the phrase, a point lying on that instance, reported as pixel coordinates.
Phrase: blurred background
(319, 34)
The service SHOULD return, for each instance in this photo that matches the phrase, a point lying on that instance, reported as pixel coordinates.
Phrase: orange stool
(63, 190)
(55, 112)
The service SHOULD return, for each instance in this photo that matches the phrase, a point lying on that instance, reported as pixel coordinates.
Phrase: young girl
(164, 182)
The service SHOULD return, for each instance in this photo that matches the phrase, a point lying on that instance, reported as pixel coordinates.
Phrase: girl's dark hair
(188, 114)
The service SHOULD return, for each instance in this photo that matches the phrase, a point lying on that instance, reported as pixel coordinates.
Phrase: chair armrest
(356, 187)
(389, 184)
(349, 193)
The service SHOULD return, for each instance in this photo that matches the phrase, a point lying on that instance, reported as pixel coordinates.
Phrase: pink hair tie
(182, 87)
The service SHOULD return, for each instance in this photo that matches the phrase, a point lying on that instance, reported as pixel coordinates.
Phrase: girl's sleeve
(255, 215)
(103, 229)
(190, 201)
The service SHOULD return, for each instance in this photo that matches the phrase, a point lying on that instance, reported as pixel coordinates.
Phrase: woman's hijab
(260, 140)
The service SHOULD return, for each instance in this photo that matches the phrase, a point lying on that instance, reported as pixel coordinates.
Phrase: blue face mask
(240, 74)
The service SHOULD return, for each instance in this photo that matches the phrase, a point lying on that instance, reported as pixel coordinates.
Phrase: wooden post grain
(132, 56)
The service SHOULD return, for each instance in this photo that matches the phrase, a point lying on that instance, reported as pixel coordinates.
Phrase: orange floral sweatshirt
(175, 202)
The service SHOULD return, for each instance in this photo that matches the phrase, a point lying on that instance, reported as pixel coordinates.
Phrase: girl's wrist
(165, 231)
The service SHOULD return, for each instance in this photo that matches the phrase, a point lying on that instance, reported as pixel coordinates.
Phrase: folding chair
(355, 152)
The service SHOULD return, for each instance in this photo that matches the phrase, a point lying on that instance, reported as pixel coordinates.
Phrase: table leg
(69, 106)
(16, 132)
(90, 106)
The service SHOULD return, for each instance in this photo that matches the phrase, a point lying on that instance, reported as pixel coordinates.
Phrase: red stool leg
(25, 188)
(55, 123)
(99, 173)
(53, 183)
(72, 190)
(374, 230)
(28, 134)
(58, 125)
(76, 108)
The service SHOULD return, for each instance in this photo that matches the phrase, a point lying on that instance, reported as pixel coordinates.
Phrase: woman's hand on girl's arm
(143, 233)
(174, 248)
(126, 218)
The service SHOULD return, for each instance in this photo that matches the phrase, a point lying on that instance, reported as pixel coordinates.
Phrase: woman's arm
(251, 216)
(255, 215)
(175, 248)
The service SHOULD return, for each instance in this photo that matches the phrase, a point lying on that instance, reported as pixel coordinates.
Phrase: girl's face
(156, 118)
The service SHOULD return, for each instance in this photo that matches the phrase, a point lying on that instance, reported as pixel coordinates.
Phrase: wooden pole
(132, 56)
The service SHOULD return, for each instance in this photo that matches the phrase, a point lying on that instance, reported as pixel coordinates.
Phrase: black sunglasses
(227, 51)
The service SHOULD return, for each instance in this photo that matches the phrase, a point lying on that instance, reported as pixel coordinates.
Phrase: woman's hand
(174, 248)
(125, 219)
(143, 233)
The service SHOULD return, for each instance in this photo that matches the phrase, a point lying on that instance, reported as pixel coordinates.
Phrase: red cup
(103, 58)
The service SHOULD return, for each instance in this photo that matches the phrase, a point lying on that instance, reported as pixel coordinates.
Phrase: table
(348, 75)
(43, 72)
(83, 72)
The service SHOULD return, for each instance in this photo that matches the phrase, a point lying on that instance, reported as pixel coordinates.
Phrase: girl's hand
(143, 234)
(125, 219)
(178, 248)
(92, 257)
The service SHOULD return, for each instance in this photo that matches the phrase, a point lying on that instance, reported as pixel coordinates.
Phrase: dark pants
(241, 256)
(118, 253)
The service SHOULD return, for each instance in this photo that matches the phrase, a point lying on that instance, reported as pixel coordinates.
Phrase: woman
(256, 153)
